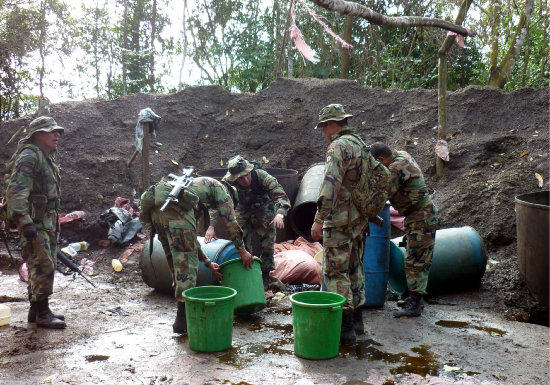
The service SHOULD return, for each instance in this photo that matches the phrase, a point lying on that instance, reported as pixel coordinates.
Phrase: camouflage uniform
(33, 196)
(344, 228)
(255, 211)
(176, 227)
(409, 196)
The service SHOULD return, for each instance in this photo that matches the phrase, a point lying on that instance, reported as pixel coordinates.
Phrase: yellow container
(5, 315)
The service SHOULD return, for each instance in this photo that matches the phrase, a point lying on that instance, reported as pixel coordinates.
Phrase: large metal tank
(305, 205)
(289, 181)
(532, 240)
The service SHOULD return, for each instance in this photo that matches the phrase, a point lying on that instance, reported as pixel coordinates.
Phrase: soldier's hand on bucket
(215, 269)
(247, 258)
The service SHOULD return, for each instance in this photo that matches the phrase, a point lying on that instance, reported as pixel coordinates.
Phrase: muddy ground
(122, 330)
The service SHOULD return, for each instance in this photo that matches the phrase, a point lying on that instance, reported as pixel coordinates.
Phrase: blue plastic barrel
(376, 260)
(156, 272)
(458, 261)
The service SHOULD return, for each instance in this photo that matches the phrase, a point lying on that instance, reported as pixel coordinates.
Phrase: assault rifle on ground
(179, 183)
(70, 264)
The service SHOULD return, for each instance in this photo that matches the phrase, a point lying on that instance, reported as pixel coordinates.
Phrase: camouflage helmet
(237, 166)
(43, 123)
(332, 112)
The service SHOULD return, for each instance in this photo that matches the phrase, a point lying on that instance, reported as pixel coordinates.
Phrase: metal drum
(305, 205)
(532, 234)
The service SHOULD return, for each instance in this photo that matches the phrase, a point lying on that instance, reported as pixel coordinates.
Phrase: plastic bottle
(5, 315)
(77, 246)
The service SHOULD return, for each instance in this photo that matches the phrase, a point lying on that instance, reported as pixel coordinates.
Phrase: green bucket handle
(335, 308)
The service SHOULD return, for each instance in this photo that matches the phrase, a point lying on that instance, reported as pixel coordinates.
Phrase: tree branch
(358, 10)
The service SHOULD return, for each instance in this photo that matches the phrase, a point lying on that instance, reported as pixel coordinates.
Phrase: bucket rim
(256, 259)
(232, 294)
(340, 299)
(520, 199)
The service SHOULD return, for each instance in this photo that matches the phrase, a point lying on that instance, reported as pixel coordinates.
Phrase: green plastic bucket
(209, 312)
(248, 283)
(317, 320)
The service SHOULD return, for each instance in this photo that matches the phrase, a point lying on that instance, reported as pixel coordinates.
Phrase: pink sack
(296, 267)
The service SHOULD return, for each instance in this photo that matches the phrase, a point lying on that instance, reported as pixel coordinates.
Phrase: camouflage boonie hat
(237, 166)
(43, 123)
(332, 112)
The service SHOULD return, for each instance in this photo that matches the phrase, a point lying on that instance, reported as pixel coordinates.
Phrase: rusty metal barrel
(532, 242)
(287, 178)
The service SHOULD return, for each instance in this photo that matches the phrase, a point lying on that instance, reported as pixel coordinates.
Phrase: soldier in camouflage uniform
(338, 221)
(409, 195)
(176, 227)
(33, 198)
(262, 206)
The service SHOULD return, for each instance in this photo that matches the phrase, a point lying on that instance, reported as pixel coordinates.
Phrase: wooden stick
(129, 163)
(145, 174)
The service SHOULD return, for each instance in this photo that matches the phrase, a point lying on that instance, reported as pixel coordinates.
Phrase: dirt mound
(203, 126)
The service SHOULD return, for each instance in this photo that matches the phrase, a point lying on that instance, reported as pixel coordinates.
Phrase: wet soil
(491, 132)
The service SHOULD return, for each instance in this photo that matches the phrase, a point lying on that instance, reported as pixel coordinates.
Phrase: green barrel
(248, 284)
(458, 261)
(209, 312)
(317, 320)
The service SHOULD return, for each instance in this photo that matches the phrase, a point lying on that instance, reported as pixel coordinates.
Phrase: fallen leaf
(206, 136)
(174, 162)
(233, 110)
(100, 196)
(265, 160)
(226, 113)
(448, 368)
(221, 162)
(363, 123)
(4, 362)
(539, 178)
(524, 153)
(158, 144)
(49, 379)
(493, 261)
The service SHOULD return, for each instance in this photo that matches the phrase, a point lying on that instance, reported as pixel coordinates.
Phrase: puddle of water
(466, 325)
(423, 363)
(96, 357)
(240, 356)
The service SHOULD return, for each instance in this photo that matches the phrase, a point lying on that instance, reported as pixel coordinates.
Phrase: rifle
(70, 264)
(179, 183)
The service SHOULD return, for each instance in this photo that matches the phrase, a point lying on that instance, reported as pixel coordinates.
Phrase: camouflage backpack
(370, 194)
(7, 176)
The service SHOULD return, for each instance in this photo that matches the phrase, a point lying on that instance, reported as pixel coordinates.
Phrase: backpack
(7, 178)
(370, 194)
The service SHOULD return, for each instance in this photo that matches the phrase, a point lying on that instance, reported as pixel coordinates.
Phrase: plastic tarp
(295, 262)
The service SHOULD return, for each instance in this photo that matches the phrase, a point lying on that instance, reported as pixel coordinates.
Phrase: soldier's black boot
(180, 325)
(33, 311)
(358, 322)
(404, 297)
(266, 280)
(413, 307)
(44, 316)
(347, 334)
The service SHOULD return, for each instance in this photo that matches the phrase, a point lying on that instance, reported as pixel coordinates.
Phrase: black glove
(29, 231)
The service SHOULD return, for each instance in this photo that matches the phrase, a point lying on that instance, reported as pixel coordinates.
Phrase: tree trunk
(525, 60)
(283, 44)
(290, 74)
(152, 49)
(348, 24)
(442, 85)
(42, 45)
(125, 48)
(95, 43)
(355, 9)
(499, 76)
(184, 54)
